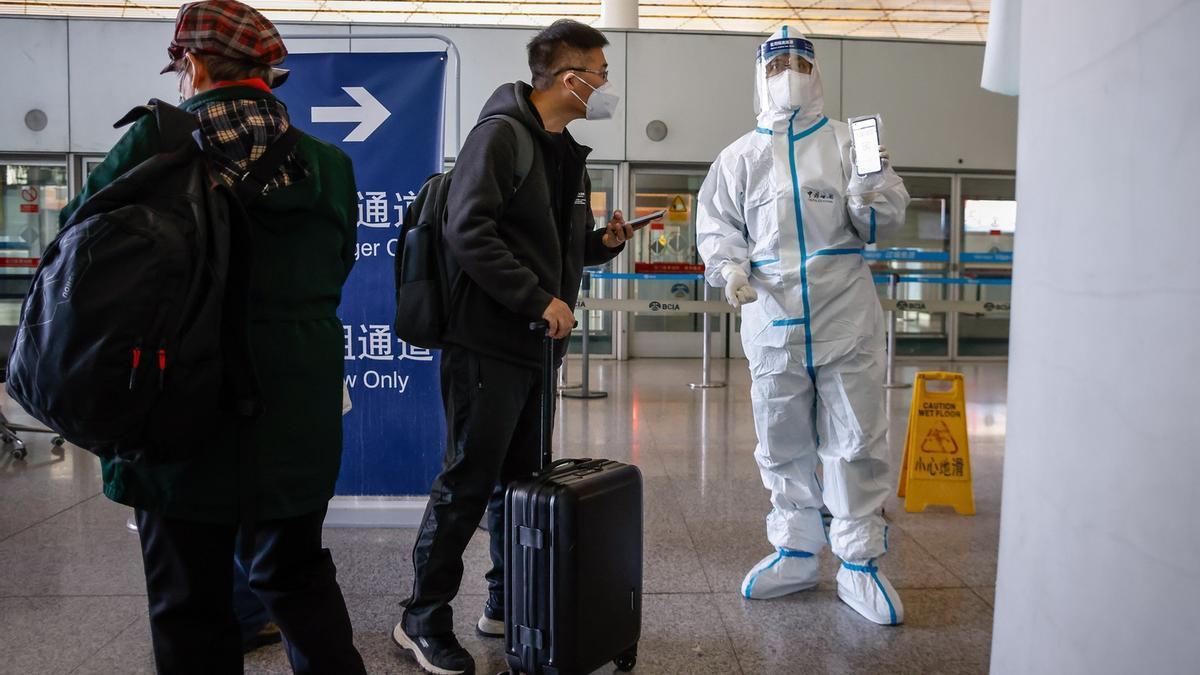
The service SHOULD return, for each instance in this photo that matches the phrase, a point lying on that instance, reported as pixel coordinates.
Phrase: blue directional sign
(385, 111)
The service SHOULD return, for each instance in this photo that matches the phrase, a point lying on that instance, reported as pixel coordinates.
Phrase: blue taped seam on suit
(811, 130)
(874, 572)
(765, 132)
(762, 263)
(750, 586)
(839, 251)
(872, 239)
(812, 373)
(789, 322)
(791, 553)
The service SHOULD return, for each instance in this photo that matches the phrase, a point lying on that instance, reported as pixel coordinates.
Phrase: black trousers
(493, 420)
(189, 580)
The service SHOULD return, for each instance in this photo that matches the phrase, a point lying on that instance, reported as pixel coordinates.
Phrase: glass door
(32, 193)
(919, 249)
(601, 325)
(666, 265)
(989, 210)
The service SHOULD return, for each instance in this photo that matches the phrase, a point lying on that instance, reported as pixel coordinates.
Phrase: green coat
(303, 248)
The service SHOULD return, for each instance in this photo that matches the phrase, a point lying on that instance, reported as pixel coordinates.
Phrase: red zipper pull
(162, 366)
(137, 361)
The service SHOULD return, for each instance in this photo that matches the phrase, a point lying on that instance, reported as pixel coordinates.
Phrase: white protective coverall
(783, 207)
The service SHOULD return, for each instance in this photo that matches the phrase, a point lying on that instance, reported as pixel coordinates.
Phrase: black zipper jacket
(515, 253)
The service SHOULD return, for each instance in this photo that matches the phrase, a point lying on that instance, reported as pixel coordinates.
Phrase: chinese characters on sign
(374, 342)
(376, 210)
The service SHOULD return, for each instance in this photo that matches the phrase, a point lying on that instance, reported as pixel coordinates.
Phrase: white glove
(737, 286)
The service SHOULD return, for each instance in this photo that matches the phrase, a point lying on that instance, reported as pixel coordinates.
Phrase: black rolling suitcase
(572, 560)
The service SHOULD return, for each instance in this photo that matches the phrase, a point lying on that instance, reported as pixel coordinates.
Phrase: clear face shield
(786, 76)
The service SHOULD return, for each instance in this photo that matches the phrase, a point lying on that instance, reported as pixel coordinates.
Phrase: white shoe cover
(869, 593)
(783, 572)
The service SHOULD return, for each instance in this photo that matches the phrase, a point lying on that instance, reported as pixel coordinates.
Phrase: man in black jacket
(522, 250)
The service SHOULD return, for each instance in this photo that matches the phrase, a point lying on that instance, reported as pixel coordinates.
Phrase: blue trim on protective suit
(789, 322)
(795, 137)
(839, 251)
(885, 538)
(872, 239)
(765, 132)
(784, 36)
(874, 572)
(750, 586)
(812, 372)
(780, 555)
(763, 263)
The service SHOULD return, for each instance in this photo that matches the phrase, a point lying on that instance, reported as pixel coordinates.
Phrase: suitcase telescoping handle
(547, 453)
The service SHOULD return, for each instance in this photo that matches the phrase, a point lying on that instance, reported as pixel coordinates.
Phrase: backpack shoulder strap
(259, 174)
(525, 148)
(134, 115)
(176, 126)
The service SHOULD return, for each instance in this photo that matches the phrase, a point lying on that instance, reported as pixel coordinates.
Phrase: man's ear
(198, 70)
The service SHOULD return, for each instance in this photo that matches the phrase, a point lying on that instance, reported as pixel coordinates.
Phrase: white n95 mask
(602, 103)
(793, 90)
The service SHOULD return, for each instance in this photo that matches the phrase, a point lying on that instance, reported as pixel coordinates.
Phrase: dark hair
(551, 49)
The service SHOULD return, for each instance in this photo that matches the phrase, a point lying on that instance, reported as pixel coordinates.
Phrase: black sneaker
(491, 624)
(437, 654)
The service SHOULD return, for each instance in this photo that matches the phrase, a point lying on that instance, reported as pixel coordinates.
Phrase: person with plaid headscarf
(303, 237)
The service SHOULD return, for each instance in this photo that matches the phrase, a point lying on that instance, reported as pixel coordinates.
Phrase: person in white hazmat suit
(782, 222)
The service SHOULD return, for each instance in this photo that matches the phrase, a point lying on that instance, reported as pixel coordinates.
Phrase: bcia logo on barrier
(909, 305)
(656, 306)
(997, 306)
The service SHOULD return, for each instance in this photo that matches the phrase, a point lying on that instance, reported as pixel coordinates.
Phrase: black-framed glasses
(602, 73)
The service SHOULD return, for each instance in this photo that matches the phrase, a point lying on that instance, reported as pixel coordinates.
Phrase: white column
(1099, 568)
(618, 14)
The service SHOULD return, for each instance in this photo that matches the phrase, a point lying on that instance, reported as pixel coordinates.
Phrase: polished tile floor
(72, 598)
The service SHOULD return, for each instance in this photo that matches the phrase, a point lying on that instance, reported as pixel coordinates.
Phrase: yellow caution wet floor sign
(937, 459)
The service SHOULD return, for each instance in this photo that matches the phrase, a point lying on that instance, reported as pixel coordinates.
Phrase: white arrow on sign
(369, 113)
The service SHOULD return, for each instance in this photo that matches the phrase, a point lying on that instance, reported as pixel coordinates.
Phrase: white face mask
(791, 90)
(602, 103)
(186, 90)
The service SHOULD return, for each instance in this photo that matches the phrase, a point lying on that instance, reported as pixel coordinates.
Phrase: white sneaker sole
(490, 628)
(401, 640)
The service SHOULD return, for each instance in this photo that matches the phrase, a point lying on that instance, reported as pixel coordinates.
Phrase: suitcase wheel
(626, 662)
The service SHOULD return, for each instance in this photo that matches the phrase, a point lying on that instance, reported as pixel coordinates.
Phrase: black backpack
(425, 272)
(133, 338)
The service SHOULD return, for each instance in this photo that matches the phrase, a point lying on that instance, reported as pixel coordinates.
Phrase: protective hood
(781, 91)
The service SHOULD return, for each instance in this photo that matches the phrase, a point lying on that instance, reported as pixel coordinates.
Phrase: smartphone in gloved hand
(865, 139)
